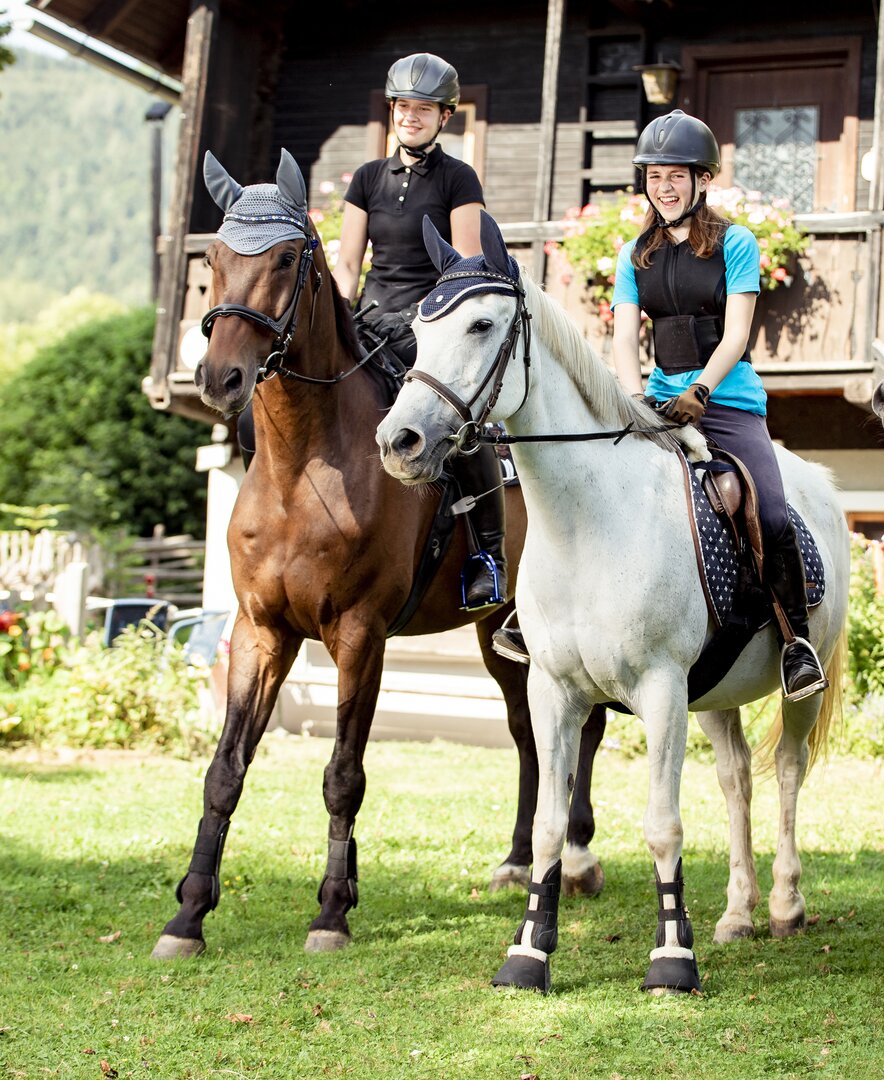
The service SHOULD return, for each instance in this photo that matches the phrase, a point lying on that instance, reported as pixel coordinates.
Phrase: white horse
(609, 596)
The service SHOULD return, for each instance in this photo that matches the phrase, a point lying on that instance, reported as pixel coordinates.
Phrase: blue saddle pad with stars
(717, 561)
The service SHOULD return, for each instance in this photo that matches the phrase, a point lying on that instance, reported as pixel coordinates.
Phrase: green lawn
(94, 843)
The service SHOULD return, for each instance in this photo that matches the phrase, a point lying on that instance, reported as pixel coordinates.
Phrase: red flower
(7, 619)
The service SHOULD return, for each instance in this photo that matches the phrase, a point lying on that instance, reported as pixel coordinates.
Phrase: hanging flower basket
(595, 233)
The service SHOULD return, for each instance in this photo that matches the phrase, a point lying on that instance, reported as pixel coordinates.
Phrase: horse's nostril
(233, 381)
(198, 376)
(405, 441)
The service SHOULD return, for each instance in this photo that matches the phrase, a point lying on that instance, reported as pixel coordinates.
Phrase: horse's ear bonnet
(261, 215)
(495, 270)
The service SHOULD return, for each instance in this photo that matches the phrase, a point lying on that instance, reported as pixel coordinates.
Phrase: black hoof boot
(525, 972)
(678, 973)
(529, 969)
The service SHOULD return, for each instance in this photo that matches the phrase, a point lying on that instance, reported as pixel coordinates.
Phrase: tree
(76, 429)
(7, 56)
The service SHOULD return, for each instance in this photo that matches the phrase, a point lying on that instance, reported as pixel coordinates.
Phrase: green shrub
(75, 428)
(865, 624)
(31, 642)
(140, 694)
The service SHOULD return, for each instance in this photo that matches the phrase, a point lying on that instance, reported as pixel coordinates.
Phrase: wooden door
(785, 116)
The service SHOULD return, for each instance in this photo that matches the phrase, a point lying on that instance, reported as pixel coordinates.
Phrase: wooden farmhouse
(554, 95)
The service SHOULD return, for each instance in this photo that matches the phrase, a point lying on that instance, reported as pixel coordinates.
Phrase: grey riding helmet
(423, 77)
(678, 139)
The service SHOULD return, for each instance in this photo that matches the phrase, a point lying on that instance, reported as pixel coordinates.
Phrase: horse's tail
(830, 709)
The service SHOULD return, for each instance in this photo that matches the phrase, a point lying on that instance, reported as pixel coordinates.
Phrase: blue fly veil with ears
(260, 215)
(495, 270)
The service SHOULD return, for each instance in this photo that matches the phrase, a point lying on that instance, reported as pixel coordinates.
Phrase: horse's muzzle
(226, 389)
(404, 456)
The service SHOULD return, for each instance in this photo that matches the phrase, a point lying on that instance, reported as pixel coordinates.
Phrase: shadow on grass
(42, 772)
(429, 925)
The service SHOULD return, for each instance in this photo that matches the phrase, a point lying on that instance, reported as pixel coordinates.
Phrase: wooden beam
(173, 277)
(555, 18)
(105, 16)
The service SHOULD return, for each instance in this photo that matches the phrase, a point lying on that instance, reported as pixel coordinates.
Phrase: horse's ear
(290, 181)
(441, 253)
(222, 187)
(493, 246)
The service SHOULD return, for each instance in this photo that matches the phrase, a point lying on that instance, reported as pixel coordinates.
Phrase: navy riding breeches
(745, 435)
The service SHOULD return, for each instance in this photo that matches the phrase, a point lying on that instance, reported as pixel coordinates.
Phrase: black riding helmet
(423, 77)
(678, 139)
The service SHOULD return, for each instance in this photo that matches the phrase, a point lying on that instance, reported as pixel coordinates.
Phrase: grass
(94, 844)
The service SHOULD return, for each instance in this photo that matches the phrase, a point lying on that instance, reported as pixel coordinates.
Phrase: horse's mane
(344, 320)
(596, 382)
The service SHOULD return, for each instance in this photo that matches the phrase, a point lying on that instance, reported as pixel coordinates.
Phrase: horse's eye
(480, 326)
(287, 261)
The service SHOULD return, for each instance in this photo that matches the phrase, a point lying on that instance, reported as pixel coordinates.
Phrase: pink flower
(550, 247)
(346, 177)
(764, 261)
(326, 187)
(779, 274)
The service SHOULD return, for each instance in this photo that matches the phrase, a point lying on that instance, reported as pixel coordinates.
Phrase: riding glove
(689, 406)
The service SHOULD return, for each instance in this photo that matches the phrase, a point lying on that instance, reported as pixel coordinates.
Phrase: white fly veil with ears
(260, 215)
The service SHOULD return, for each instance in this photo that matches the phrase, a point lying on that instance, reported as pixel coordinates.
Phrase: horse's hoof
(589, 883)
(525, 972)
(780, 928)
(509, 876)
(326, 941)
(171, 948)
(732, 930)
(670, 974)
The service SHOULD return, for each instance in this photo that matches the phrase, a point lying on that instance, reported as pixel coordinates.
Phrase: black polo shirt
(396, 197)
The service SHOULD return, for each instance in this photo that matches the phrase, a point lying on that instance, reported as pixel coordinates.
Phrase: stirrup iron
(815, 687)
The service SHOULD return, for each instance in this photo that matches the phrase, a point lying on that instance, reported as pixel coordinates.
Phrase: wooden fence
(30, 562)
(168, 567)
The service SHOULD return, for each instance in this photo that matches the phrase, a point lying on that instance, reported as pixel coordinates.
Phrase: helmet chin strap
(419, 153)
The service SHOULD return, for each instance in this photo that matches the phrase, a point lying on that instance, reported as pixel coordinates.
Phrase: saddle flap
(724, 492)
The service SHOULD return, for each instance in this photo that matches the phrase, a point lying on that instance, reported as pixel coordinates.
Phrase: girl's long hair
(707, 232)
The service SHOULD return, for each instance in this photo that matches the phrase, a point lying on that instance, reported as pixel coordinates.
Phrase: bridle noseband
(283, 328)
(467, 437)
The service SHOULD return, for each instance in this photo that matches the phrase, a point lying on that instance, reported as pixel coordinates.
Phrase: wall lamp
(659, 81)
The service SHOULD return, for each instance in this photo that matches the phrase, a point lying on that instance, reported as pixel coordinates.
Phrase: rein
(467, 439)
(502, 439)
(283, 329)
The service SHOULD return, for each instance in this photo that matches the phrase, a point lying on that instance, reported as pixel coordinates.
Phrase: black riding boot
(479, 474)
(245, 435)
(800, 668)
(509, 641)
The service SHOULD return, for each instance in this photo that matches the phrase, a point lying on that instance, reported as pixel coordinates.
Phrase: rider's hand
(689, 406)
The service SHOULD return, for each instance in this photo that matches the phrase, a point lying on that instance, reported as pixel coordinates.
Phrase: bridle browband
(468, 439)
(283, 328)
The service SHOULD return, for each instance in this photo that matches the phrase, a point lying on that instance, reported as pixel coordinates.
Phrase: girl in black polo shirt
(386, 203)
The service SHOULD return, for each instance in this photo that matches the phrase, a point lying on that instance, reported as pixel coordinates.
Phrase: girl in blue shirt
(696, 275)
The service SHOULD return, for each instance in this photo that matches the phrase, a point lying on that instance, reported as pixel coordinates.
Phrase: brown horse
(324, 545)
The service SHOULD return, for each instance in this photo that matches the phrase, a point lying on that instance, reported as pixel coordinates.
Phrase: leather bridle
(467, 438)
(283, 328)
